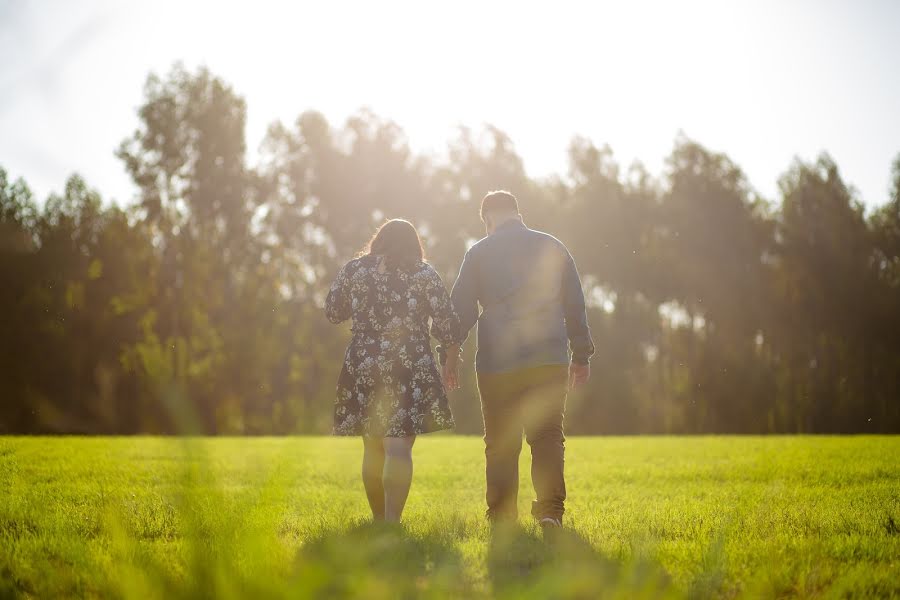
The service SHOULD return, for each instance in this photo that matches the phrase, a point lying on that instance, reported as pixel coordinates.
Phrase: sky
(764, 81)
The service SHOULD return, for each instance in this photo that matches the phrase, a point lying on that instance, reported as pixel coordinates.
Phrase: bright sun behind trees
(198, 307)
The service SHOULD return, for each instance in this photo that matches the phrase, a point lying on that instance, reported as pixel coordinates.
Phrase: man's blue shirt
(532, 305)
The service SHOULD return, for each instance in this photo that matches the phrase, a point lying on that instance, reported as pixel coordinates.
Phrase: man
(532, 316)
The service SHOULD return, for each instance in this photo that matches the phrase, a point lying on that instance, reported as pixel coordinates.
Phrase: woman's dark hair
(398, 241)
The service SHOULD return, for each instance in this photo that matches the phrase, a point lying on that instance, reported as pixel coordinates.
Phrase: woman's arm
(445, 328)
(450, 368)
(444, 320)
(338, 304)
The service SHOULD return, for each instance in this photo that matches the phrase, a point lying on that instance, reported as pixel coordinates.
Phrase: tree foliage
(196, 308)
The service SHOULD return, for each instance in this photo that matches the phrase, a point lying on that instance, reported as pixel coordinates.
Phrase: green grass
(275, 517)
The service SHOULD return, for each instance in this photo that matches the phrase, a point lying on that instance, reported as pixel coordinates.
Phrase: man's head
(498, 207)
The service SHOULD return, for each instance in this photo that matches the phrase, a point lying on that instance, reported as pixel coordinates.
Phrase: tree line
(197, 307)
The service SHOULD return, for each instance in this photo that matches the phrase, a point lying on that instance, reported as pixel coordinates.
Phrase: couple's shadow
(375, 560)
(561, 563)
(379, 560)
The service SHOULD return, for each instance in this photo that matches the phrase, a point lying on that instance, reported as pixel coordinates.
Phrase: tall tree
(825, 281)
(19, 346)
(188, 161)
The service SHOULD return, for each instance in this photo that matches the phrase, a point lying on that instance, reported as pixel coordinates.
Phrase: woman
(389, 390)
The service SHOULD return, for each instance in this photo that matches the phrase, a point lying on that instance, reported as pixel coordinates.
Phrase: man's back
(531, 299)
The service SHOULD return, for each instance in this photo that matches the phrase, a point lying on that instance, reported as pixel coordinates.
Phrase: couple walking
(533, 345)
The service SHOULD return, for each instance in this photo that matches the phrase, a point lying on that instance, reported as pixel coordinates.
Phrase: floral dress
(389, 385)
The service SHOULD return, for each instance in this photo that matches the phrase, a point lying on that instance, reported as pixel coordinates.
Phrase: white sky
(763, 81)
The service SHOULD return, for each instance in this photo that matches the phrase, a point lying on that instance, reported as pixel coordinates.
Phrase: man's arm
(577, 329)
(465, 296)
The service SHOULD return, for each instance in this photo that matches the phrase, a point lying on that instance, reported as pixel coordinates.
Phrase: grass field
(274, 517)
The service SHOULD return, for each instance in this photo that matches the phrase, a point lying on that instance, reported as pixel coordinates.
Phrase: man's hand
(578, 375)
(450, 373)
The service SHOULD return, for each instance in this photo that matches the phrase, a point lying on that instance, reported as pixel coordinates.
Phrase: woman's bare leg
(372, 471)
(397, 475)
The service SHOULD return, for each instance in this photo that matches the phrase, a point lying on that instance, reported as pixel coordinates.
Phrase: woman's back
(389, 386)
(384, 300)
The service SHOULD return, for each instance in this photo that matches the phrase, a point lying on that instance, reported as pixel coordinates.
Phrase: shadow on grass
(377, 560)
(522, 564)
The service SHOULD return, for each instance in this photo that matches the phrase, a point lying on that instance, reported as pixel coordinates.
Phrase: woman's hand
(450, 370)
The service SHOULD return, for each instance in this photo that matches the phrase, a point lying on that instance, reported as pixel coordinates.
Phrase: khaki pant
(532, 400)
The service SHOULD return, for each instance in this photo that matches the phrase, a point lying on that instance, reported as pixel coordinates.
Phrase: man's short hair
(499, 201)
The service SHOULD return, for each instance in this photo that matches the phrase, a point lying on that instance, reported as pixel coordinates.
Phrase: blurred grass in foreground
(273, 517)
